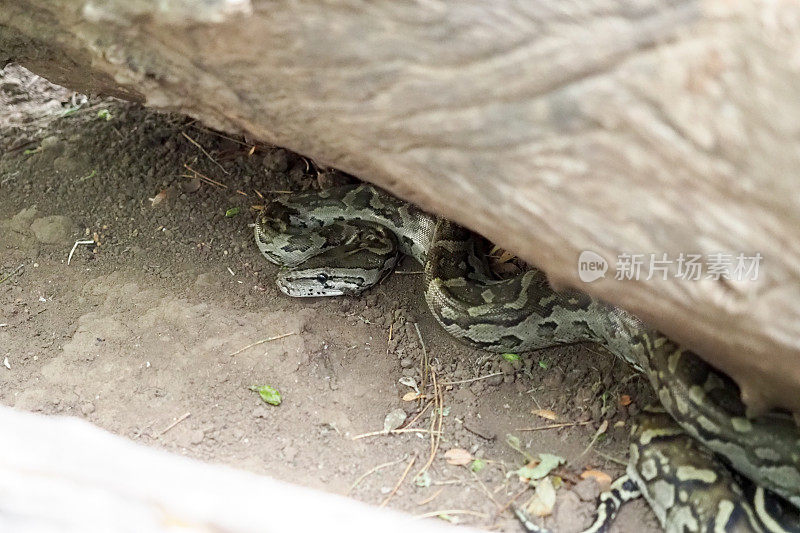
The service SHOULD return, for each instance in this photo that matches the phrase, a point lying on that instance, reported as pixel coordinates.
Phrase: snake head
(323, 281)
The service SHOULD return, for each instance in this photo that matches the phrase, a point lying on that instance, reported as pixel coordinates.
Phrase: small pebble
(196, 436)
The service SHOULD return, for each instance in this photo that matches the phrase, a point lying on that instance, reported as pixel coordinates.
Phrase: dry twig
(392, 432)
(555, 426)
(203, 177)
(448, 383)
(204, 152)
(399, 481)
(436, 423)
(452, 511)
(12, 273)
(431, 498)
(178, 421)
(262, 341)
(371, 471)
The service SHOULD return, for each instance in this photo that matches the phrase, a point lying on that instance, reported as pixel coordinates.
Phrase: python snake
(345, 239)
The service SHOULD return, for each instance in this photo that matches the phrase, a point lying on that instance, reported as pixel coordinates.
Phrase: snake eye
(322, 278)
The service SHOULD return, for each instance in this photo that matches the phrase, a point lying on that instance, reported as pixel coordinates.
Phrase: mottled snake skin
(524, 313)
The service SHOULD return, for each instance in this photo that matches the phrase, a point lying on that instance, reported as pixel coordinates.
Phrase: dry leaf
(505, 257)
(410, 396)
(545, 413)
(458, 456)
(544, 499)
(603, 479)
(158, 198)
(624, 400)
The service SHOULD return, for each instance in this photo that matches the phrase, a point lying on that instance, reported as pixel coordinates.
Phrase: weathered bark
(87, 480)
(551, 128)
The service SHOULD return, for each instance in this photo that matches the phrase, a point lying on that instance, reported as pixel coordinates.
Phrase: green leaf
(88, 176)
(269, 394)
(544, 364)
(547, 462)
(103, 113)
(511, 357)
(232, 212)
(477, 465)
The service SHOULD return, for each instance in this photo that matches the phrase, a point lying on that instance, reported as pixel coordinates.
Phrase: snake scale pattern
(701, 464)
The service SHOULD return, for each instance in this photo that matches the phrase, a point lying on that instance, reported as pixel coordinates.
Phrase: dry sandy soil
(150, 325)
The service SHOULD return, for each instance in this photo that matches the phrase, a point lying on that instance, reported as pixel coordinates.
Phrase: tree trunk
(614, 127)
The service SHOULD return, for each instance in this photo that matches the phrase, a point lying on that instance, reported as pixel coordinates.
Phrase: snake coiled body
(346, 234)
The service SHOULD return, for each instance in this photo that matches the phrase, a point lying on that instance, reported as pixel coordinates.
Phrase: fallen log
(611, 127)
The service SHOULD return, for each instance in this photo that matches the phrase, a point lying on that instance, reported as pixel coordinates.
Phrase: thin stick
(489, 494)
(446, 383)
(74, 246)
(431, 498)
(420, 414)
(436, 423)
(424, 363)
(204, 177)
(399, 482)
(219, 135)
(392, 432)
(204, 152)
(262, 341)
(452, 511)
(510, 502)
(178, 421)
(611, 458)
(602, 429)
(13, 273)
(555, 426)
(371, 471)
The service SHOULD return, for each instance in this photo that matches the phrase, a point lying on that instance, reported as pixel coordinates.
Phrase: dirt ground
(149, 330)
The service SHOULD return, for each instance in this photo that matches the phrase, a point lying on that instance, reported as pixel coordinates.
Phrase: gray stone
(55, 229)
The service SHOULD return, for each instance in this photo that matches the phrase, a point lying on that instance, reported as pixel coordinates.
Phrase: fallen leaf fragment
(603, 480)
(269, 394)
(410, 396)
(158, 198)
(544, 499)
(545, 413)
(458, 456)
(535, 471)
